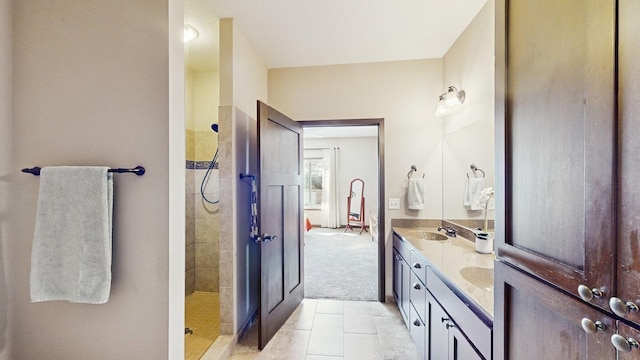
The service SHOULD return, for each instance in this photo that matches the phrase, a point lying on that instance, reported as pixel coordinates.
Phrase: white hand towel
(71, 251)
(416, 194)
(472, 193)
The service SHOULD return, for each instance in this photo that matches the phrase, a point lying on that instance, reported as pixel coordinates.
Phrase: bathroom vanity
(444, 290)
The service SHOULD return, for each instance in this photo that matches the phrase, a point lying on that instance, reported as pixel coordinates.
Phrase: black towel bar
(138, 170)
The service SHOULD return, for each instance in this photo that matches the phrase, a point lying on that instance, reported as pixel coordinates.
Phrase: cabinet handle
(444, 319)
(591, 327)
(416, 286)
(588, 294)
(622, 344)
(622, 308)
(417, 266)
(416, 322)
(450, 325)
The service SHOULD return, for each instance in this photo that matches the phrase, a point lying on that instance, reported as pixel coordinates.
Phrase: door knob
(622, 308)
(587, 293)
(591, 327)
(622, 344)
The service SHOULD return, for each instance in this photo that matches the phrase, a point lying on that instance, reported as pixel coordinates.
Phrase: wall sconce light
(190, 33)
(450, 101)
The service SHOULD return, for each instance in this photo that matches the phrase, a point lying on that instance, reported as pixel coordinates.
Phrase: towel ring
(474, 168)
(413, 169)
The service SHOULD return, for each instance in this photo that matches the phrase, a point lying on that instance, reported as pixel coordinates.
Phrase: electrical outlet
(394, 204)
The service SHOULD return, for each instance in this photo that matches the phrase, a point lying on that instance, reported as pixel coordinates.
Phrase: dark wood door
(628, 255)
(555, 112)
(535, 321)
(280, 219)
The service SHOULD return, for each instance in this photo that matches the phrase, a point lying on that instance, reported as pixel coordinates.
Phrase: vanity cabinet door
(401, 284)
(535, 321)
(437, 332)
(556, 141)
(460, 348)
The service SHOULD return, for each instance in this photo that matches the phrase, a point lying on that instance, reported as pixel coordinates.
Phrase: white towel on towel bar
(71, 252)
(416, 194)
(472, 190)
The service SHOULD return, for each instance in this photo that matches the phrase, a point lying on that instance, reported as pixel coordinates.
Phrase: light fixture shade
(442, 109)
(455, 98)
(190, 33)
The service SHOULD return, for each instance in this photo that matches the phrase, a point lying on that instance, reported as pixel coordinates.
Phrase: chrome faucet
(450, 230)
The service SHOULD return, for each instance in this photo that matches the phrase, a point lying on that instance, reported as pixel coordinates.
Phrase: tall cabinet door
(629, 156)
(556, 111)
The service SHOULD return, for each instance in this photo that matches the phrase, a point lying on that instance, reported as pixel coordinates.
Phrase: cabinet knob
(622, 308)
(622, 344)
(444, 319)
(587, 294)
(416, 322)
(450, 325)
(416, 286)
(417, 266)
(591, 327)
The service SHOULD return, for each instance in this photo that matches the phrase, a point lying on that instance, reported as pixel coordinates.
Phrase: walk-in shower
(202, 302)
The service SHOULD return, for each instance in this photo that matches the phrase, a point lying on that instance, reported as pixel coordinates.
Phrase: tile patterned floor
(202, 315)
(333, 329)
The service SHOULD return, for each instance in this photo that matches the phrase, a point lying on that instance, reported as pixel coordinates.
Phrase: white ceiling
(294, 33)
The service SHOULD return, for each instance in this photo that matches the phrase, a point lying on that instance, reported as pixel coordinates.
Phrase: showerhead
(214, 127)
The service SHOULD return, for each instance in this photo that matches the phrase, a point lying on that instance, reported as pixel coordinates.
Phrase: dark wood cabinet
(535, 321)
(568, 195)
(445, 341)
(555, 90)
(628, 209)
(440, 319)
(437, 332)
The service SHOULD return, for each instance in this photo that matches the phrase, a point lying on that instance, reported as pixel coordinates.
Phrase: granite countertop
(457, 260)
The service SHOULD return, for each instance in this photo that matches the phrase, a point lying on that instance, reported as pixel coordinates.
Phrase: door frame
(379, 122)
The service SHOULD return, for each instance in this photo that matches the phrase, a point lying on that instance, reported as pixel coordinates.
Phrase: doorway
(357, 145)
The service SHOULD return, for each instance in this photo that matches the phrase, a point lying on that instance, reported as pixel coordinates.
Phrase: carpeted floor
(340, 265)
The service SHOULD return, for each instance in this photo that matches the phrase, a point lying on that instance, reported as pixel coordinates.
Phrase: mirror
(463, 146)
(355, 205)
(468, 134)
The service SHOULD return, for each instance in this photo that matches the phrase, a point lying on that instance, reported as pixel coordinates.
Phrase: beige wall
(469, 134)
(404, 93)
(6, 169)
(92, 87)
(358, 159)
(243, 80)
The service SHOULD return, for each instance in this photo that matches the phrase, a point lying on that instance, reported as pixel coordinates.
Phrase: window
(313, 169)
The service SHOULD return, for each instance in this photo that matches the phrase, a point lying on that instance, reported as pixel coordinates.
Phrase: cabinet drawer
(419, 266)
(418, 296)
(418, 332)
(401, 247)
(478, 333)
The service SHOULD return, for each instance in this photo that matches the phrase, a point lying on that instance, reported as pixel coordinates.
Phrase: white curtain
(330, 192)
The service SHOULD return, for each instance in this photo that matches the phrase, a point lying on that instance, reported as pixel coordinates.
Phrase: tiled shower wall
(202, 261)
